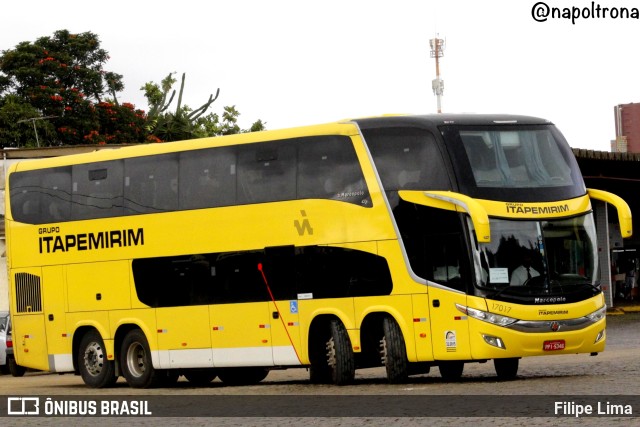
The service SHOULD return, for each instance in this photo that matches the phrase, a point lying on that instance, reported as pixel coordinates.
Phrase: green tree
(63, 77)
(15, 130)
(183, 122)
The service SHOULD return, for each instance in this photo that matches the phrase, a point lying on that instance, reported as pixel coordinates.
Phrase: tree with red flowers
(63, 78)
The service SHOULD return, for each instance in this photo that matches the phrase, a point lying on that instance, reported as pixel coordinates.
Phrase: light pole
(33, 120)
(437, 51)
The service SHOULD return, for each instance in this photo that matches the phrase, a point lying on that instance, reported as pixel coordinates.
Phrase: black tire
(200, 377)
(451, 371)
(394, 352)
(332, 361)
(4, 369)
(340, 355)
(96, 371)
(506, 369)
(15, 369)
(242, 376)
(136, 365)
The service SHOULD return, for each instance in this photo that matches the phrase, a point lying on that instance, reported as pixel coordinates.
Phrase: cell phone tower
(437, 84)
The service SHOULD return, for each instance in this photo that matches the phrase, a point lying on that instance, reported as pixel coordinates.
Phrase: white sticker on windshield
(499, 275)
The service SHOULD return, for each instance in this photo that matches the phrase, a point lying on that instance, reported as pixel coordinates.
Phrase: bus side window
(266, 172)
(57, 194)
(434, 240)
(400, 155)
(329, 272)
(97, 190)
(151, 184)
(207, 178)
(238, 278)
(25, 197)
(328, 168)
(41, 196)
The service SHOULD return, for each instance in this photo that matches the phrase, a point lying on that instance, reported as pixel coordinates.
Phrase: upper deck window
(315, 167)
(407, 159)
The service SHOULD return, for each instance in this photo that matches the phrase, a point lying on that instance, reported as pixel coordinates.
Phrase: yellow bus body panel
(87, 278)
(98, 286)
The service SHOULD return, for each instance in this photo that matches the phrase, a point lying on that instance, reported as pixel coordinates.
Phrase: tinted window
(266, 172)
(434, 241)
(207, 178)
(323, 167)
(41, 196)
(321, 272)
(407, 159)
(97, 190)
(330, 170)
(151, 184)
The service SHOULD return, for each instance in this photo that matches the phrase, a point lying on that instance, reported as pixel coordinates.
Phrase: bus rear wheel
(506, 369)
(95, 369)
(136, 365)
(393, 352)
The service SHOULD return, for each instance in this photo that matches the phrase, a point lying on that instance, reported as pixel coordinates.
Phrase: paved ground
(612, 373)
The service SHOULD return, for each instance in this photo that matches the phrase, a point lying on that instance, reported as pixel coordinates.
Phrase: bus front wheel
(95, 369)
(393, 351)
(506, 369)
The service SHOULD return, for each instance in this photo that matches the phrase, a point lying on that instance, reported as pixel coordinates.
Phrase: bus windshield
(538, 258)
(515, 158)
(516, 163)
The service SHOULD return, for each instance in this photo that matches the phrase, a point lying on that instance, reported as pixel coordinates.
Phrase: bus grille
(28, 294)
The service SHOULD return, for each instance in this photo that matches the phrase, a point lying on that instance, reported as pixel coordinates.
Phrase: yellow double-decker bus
(407, 242)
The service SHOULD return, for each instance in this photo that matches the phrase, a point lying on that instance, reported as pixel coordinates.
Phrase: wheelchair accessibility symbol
(293, 307)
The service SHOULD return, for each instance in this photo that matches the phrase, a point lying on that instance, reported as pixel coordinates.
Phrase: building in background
(627, 120)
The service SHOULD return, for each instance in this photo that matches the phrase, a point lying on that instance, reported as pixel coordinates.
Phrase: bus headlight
(598, 315)
(485, 316)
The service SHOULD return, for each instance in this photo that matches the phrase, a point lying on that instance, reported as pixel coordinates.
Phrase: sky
(295, 62)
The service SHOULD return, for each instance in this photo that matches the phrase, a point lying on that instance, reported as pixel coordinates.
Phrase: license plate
(553, 345)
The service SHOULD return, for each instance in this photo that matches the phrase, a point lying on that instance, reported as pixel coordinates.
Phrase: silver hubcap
(136, 359)
(94, 358)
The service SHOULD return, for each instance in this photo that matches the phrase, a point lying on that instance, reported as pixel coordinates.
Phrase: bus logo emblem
(555, 326)
(304, 226)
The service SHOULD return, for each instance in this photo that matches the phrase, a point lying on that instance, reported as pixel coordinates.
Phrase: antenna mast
(437, 52)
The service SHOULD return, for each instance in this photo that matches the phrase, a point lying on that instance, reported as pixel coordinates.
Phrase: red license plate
(553, 345)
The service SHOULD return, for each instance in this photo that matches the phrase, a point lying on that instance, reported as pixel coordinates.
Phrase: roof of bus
(450, 119)
(339, 127)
